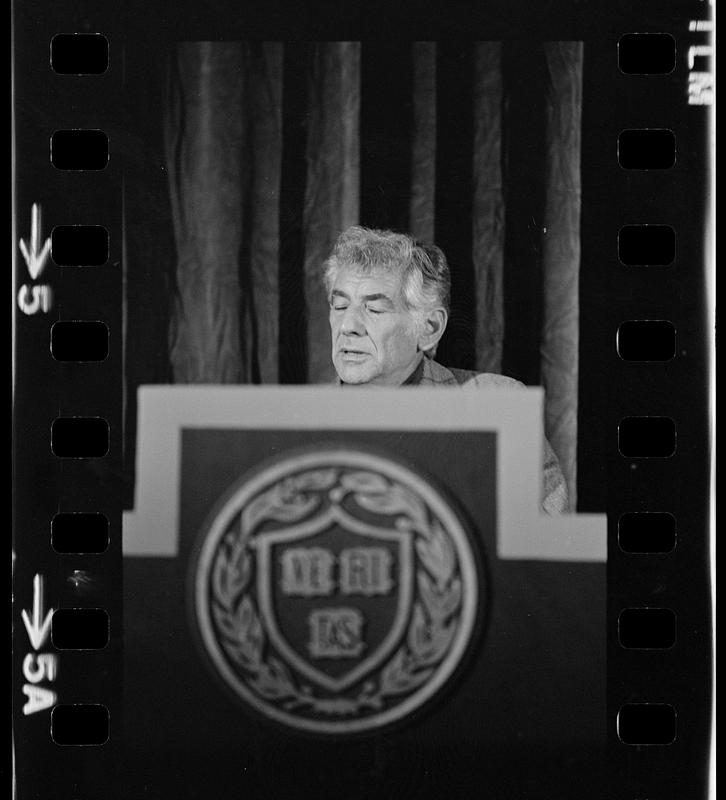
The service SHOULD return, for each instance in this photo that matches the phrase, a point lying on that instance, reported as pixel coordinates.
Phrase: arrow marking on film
(39, 626)
(37, 255)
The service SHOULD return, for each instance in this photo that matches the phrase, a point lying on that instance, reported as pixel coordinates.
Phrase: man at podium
(389, 306)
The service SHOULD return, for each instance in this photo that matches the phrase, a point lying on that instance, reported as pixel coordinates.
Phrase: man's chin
(354, 373)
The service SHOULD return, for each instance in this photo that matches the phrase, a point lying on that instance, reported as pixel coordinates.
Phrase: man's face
(374, 336)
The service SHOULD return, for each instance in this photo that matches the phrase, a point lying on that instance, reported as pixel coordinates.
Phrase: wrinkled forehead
(354, 279)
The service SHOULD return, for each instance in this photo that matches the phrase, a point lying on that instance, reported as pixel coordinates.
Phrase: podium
(355, 593)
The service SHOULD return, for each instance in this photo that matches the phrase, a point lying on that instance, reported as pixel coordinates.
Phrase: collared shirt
(415, 378)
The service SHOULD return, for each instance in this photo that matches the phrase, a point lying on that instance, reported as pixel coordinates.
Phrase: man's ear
(434, 325)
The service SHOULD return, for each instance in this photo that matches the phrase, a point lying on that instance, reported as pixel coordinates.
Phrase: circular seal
(335, 591)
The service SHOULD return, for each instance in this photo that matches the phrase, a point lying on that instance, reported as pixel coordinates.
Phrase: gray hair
(426, 282)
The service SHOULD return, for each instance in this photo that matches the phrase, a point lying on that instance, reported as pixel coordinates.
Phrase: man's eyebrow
(366, 297)
(377, 296)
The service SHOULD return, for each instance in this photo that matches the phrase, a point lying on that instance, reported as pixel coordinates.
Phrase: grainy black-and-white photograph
(351, 521)
(361, 392)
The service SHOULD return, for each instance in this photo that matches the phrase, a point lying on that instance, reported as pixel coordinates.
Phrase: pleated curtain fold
(331, 189)
(422, 206)
(488, 206)
(561, 251)
(205, 155)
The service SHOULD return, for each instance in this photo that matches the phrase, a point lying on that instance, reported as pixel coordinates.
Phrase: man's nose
(352, 323)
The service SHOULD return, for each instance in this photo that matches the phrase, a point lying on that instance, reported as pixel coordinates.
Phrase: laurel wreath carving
(433, 621)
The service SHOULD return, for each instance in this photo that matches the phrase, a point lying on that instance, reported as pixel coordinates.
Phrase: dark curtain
(270, 150)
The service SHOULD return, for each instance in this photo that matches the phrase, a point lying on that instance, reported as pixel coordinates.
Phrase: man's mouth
(352, 354)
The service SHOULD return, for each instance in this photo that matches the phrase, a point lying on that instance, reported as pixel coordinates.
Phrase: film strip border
(67, 618)
(658, 557)
(68, 392)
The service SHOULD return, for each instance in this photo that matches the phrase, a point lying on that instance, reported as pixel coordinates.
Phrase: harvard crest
(335, 591)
